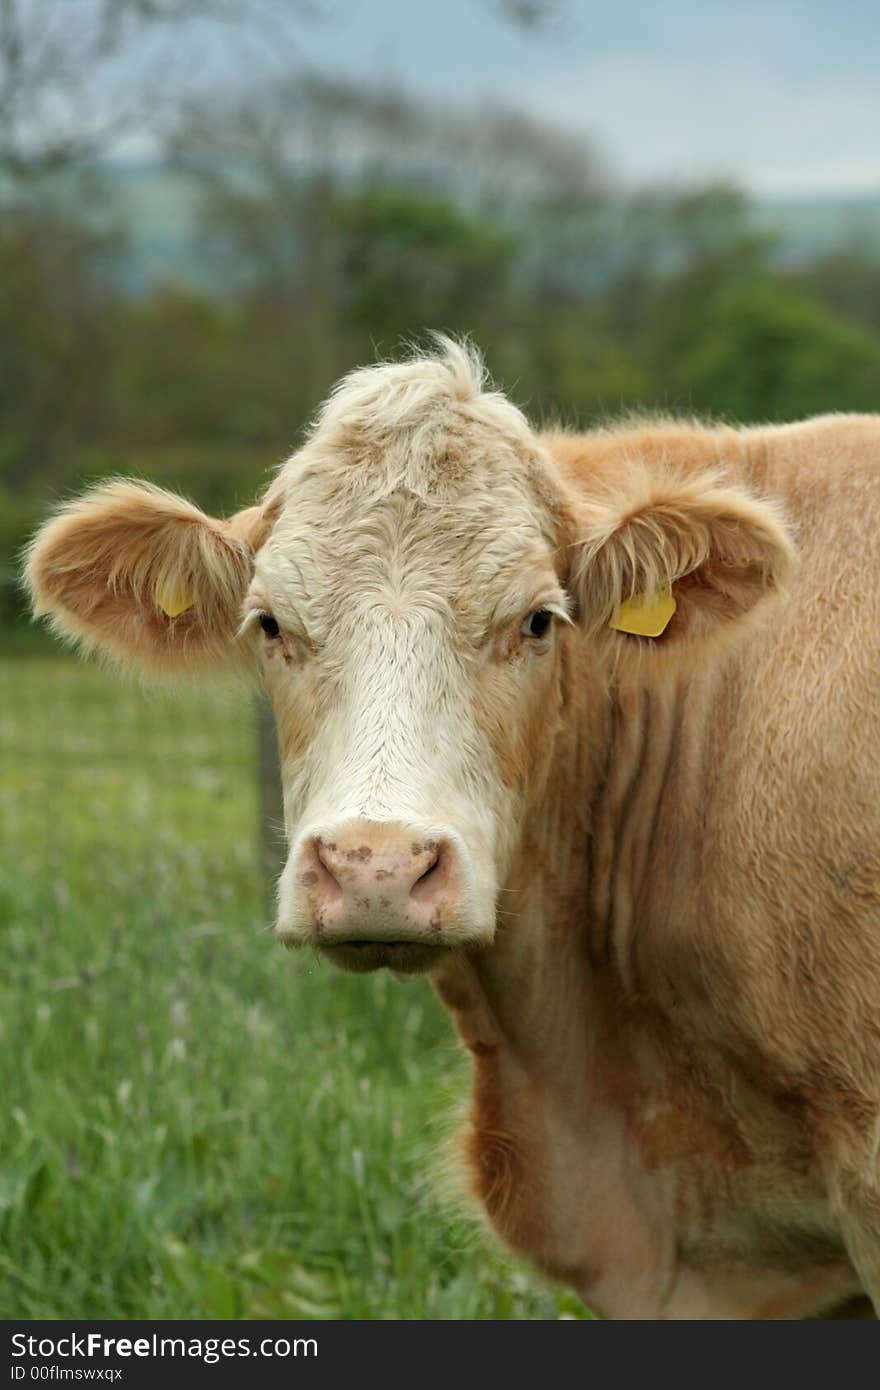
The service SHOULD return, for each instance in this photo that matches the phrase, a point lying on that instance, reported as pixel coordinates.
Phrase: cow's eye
(269, 625)
(537, 624)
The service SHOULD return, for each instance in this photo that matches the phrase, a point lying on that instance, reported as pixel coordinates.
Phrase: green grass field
(196, 1123)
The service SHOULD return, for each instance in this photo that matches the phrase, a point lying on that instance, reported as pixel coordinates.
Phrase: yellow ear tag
(644, 615)
(173, 602)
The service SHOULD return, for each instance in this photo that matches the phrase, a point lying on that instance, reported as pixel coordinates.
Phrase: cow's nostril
(430, 881)
(325, 882)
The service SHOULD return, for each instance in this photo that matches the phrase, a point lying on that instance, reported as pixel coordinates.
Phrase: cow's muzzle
(374, 894)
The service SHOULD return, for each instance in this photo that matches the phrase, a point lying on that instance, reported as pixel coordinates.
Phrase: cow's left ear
(676, 561)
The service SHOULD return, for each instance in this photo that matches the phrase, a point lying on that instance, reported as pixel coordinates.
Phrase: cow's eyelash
(259, 617)
(557, 606)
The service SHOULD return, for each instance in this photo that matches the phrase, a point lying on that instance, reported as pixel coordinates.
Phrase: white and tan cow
(588, 728)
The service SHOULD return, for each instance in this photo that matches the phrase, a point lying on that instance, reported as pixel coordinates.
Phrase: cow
(584, 727)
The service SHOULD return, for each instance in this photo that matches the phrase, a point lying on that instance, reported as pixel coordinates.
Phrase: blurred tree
(360, 216)
(496, 157)
(74, 82)
(676, 249)
(77, 78)
(764, 351)
(412, 260)
(847, 281)
(58, 325)
(177, 375)
(283, 235)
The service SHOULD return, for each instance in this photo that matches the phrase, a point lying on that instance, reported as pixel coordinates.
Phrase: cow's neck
(559, 1050)
(597, 1143)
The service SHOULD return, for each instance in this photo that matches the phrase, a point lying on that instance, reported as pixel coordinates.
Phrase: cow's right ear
(142, 574)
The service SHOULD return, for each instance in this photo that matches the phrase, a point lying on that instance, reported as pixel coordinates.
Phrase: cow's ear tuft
(672, 562)
(141, 574)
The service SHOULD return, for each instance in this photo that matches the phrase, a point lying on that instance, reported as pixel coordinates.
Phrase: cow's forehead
(415, 475)
(466, 550)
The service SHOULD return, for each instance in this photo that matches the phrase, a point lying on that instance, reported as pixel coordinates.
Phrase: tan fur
(99, 569)
(662, 527)
(667, 948)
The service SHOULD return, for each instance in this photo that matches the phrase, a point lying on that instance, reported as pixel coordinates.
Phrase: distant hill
(808, 227)
(157, 207)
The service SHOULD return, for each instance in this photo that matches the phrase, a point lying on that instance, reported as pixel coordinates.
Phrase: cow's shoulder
(663, 441)
(762, 454)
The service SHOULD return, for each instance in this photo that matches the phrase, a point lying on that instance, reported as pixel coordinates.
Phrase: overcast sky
(783, 95)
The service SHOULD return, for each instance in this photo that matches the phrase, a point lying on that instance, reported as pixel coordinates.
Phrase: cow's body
(643, 872)
(677, 1067)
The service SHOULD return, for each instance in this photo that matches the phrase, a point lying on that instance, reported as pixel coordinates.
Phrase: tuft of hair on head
(463, 362)
(416, 423)
(391, 396)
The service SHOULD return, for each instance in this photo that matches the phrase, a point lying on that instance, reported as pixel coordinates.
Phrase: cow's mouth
(407, 957)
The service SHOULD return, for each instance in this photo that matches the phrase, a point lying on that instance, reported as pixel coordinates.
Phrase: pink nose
(378, 882)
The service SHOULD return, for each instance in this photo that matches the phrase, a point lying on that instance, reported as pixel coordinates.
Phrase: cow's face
(406, 587)
(406, 609)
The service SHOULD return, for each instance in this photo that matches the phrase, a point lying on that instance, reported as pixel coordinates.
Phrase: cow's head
(408, 586)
